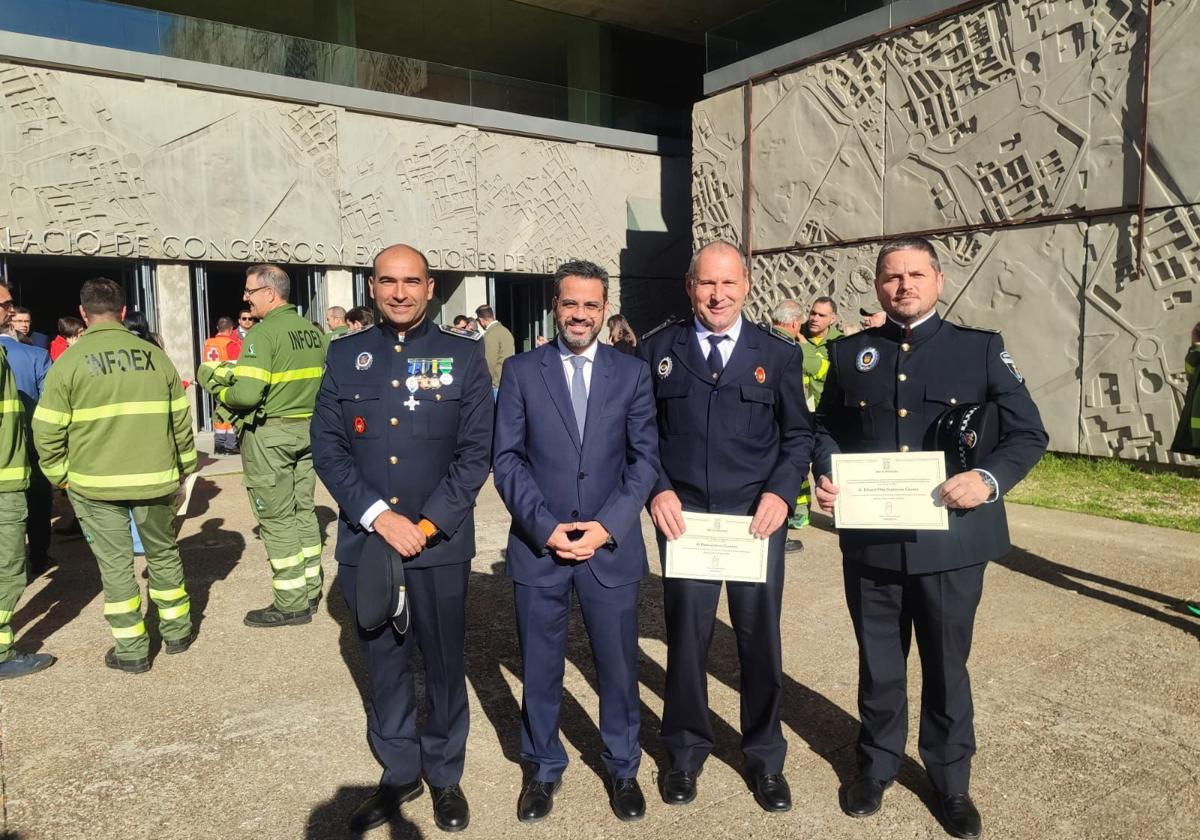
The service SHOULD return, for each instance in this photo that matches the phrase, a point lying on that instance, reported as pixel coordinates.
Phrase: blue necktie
(579, 393)
(715, 363)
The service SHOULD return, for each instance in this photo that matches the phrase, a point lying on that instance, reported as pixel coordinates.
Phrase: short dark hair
(580, 268)
(245, 310)
(69, 326)
(273, 276)
(360, 315)
(101, 296)
(460, 318)
(485, 311)
(904, 243)
(224, 323)
(21, 310)
(825, 299)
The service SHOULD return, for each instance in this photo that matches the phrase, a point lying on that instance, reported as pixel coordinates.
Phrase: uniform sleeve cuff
(368, 518)
(991, 482)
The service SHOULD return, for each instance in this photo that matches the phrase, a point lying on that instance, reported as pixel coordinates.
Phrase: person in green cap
(273, 390)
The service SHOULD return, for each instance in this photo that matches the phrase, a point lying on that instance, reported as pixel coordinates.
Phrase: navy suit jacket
(547, 476)
(425, 457)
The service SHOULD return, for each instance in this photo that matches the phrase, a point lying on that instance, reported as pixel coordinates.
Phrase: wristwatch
(993, 489)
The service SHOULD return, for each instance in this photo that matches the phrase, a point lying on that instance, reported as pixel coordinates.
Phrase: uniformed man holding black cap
(402, 437)
(887, 389)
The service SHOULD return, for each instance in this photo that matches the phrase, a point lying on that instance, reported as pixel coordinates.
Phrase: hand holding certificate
(714, 546)
(893, 490)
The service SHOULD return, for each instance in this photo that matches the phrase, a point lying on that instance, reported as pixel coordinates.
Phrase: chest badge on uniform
(360, 425)
(363, 361)
(665, 366)
(867, 358)
(1011, 365)
(760, 375)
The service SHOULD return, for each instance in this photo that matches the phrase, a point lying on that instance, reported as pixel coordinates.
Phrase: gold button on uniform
(862, 403)
(398, 347)
(394, 422)
(904, 448)
(437, 396)
(395, 383)
(902, 377)
(393, 460)
(904, 347)
(394, 500)
(953, 401)
(903, 412)
(356, 396)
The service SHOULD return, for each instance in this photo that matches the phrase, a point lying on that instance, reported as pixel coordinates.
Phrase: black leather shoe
(271, 617)
(21, 664)
(450, 809)
(792, 545)
(772, 793)
(625, 797)
(679, 787)
(864, 796)
(313, 603)
(382, 805)
(537, 800)
(129, 666)
(961, 817)
(174, 646)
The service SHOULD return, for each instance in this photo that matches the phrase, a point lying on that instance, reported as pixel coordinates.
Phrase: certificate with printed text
(717, 547)
(889, 490)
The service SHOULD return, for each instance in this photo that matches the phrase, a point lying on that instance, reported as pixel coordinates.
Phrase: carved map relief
(718, 134)
(1136, 332)
(1027, 284)
(845, 274)
(818, 152)
(1174, 176)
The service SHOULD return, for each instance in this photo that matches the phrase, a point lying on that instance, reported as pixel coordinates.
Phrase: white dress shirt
(565, 354)
(726, 347)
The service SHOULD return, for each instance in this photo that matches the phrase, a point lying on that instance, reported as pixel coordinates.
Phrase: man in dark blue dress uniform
(402, 438)
(886, 388)
(734, 438)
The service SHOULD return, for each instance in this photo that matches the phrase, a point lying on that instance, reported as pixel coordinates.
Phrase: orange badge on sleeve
(760, 375)
(360, 425)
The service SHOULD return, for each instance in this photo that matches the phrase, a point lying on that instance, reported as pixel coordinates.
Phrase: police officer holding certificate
(886, 391)
(734, 438)
(402, 437)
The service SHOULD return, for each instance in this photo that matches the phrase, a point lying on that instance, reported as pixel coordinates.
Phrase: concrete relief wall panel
(1136, 332)
(541, 202)
(1027, 284)
(845, 274)
(718, 135)
(1174, 176)
(409, 182)
(817, 152)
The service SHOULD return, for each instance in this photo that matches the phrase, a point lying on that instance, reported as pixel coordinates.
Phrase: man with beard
(402, 437)
(576, 457)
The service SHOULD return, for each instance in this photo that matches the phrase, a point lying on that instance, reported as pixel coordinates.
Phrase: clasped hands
(401, 533)
(963, 491)
(577, 541)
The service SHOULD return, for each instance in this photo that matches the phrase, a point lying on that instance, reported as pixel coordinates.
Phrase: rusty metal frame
(1141, 208)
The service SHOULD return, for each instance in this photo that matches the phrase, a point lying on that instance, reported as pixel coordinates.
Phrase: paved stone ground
(1085, 672)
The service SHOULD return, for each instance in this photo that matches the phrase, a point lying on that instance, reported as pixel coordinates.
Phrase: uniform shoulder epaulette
(774, 333)
(661, 327)
(461, 333)
(349, 333)
(977, 329)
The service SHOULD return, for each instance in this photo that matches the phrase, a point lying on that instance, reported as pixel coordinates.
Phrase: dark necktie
(715, 363)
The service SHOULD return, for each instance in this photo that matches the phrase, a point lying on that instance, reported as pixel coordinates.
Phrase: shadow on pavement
(1076, 580)
(328, 820)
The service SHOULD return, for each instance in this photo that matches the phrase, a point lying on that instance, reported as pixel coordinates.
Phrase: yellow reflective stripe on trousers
(5, 616)
(103, 412)
(9, 405)
(311, 551)
(296, 375)
(286, 562)
(294, 583)
(49, 415)
(252, 372)
(1196, 422)
(312, 571)
(133, 632)
(126, 480)
(167, 613)
(168, 594)
(122, 607)
(14, 473)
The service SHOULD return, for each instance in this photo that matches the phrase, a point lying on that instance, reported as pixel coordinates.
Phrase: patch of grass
(1113, 489)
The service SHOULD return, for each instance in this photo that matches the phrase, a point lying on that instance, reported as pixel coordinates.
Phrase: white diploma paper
(717, 547)
(893, 490)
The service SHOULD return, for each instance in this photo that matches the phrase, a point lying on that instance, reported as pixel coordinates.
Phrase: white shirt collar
(566, 353)
(703, 332)
(917, 322)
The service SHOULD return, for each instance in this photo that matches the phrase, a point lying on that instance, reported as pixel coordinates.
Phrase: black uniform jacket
(383, 431)
(724, 443)
(884, 393)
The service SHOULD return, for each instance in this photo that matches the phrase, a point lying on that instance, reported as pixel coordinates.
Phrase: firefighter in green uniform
(1187, 434)
(814, 338)
(274, 389)
(114, 427)
(14, 478)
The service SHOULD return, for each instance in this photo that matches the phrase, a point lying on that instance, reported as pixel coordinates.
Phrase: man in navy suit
(734, 438)
(576, 453)
(402, 437)
(887, 386)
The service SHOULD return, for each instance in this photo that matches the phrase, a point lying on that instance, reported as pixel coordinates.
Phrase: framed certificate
(717, 547)
(893, 490)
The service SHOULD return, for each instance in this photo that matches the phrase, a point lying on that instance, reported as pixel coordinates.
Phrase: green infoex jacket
(816, 364)
(14, 457)
(113, 421)
(279, 370)
(1187, 435)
